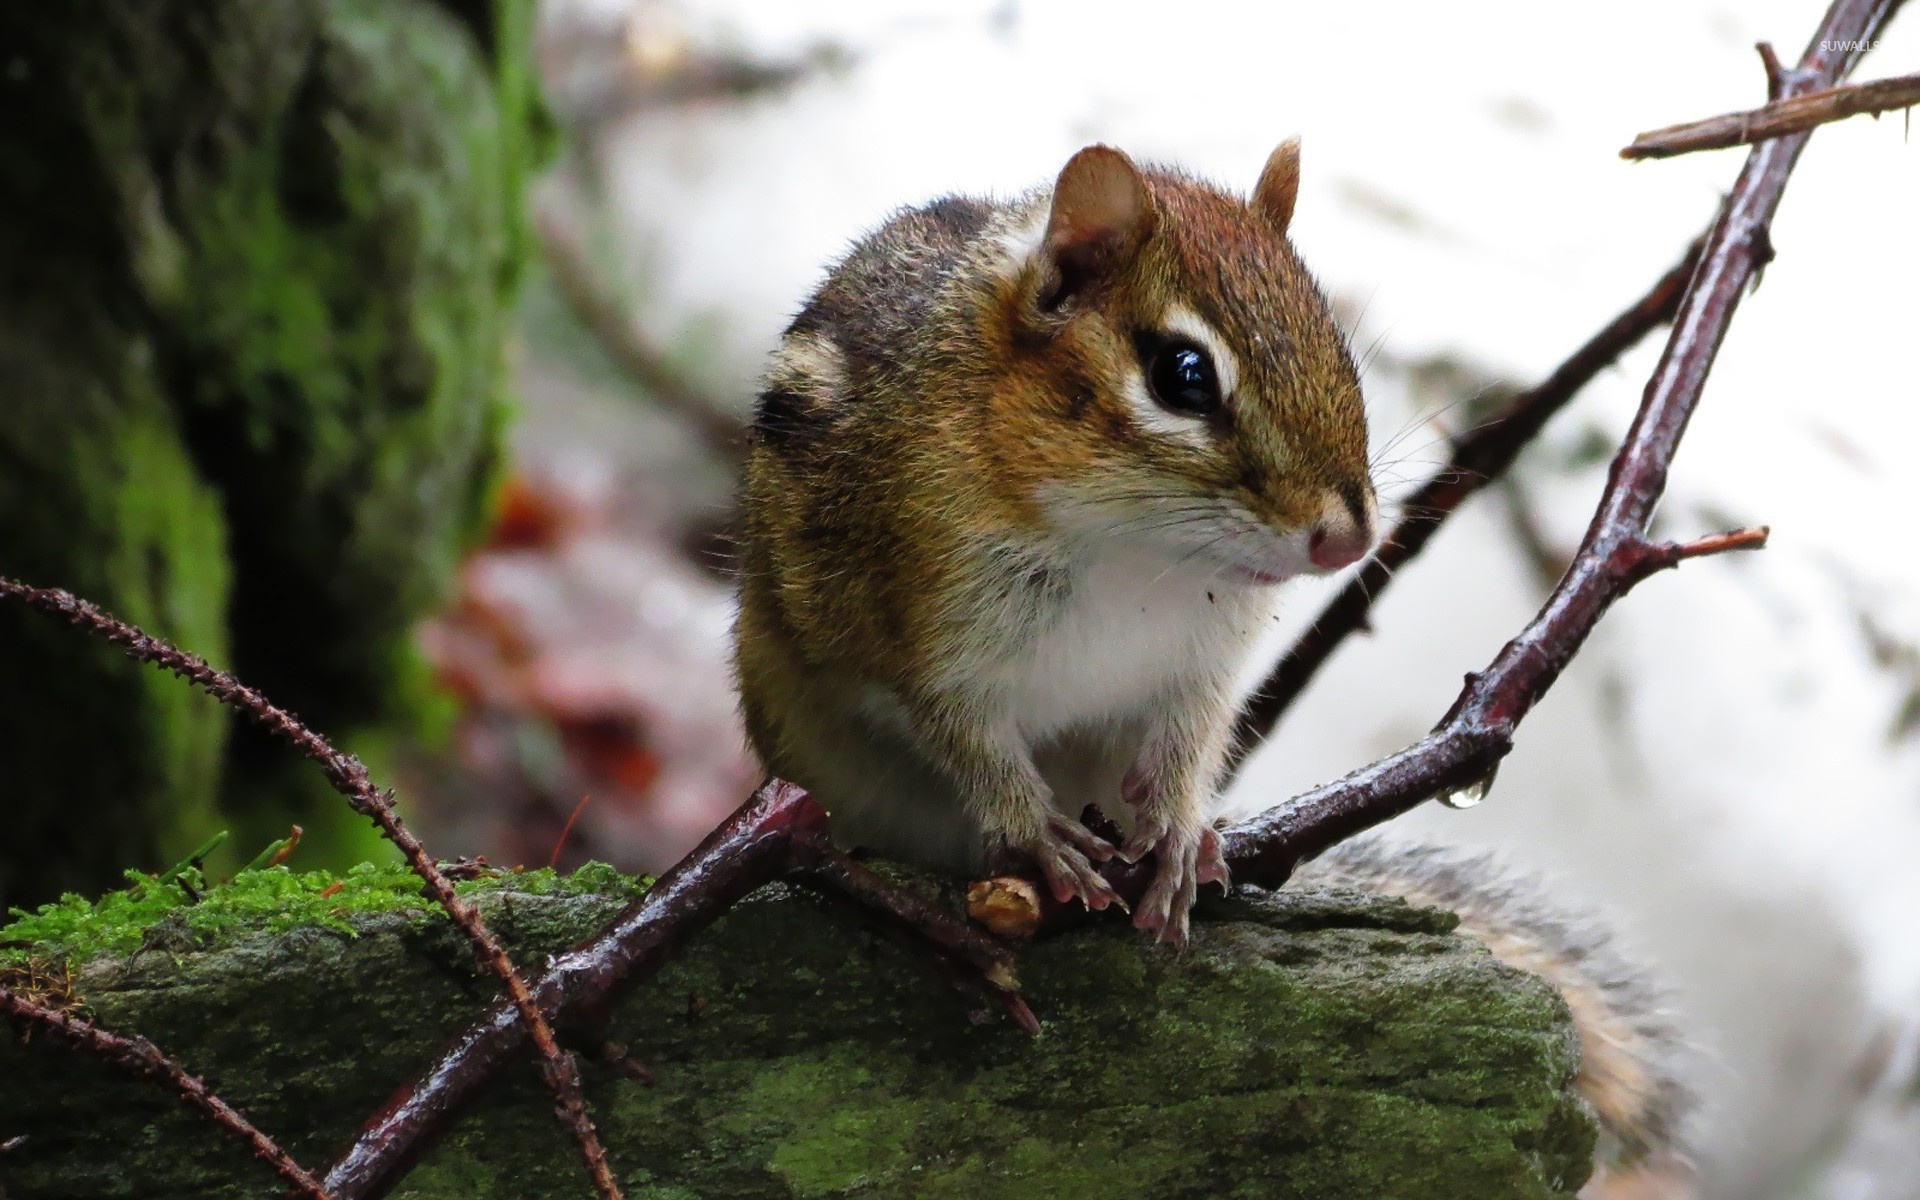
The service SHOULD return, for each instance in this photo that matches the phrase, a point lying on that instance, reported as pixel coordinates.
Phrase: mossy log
(1311, 1043)
(257, 267)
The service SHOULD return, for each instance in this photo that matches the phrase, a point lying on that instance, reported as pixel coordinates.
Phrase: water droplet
(1470, 794)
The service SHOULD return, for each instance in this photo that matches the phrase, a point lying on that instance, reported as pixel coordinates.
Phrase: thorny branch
(348, 777)
(779, 834)
(1794, 115)
(138, 1056)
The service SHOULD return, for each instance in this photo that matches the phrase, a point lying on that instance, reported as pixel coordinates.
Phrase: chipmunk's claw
(1065, 854)
(1213, 859)
(1148, 832)
(1186, 860)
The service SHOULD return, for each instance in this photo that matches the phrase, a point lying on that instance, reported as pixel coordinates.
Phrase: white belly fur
(1132, 632)
(1081, 681)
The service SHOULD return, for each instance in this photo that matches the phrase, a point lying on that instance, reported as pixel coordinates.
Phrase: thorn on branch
(1636, 559)
(1760, 246)
(1776, 73)
(1754, 538)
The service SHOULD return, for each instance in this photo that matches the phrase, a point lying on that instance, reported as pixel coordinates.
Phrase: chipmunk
(1020, 486)
(1021, 483)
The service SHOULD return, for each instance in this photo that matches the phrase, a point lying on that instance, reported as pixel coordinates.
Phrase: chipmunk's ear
(1279, 184)
(1102, 213)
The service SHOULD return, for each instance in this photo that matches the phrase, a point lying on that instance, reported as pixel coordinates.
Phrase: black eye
(1180, 375)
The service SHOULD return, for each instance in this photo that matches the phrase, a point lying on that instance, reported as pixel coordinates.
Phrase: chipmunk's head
(1181, 373)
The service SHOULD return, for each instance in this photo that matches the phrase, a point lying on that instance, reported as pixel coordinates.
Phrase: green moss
(185, 911)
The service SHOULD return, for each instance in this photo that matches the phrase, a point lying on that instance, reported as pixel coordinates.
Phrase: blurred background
(396, 355)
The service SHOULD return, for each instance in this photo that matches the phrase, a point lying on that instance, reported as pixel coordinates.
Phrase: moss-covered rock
(257, 263)
(1310, 1044)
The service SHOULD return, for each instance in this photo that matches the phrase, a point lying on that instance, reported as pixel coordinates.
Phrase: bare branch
(1794, 115)
(780, 833)
(348, 777)
(138, 1056)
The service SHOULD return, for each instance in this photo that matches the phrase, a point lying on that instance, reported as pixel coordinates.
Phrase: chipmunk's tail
(1633, 1071)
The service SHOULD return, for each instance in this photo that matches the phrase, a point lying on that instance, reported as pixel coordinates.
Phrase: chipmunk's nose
(1344, 533)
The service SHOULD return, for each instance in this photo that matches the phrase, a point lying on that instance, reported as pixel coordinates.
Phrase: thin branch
(1662, 555)
(348, 777)
(1793, 115)
(1479, 457)
(780, 833)
(138, 1056)
(601, 311)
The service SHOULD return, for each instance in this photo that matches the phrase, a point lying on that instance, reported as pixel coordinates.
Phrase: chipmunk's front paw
(1184, 859)
(1065, 852)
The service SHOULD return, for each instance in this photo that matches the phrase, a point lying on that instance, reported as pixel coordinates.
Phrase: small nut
(1006, 904)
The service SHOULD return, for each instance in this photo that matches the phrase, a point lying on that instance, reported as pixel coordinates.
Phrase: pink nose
(1335, 550)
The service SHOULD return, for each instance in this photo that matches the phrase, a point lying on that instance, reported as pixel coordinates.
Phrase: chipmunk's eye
(1181, 376)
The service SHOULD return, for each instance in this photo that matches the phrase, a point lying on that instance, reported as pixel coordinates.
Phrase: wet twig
(138, 1056)
(1795, 114)
(348, 777)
